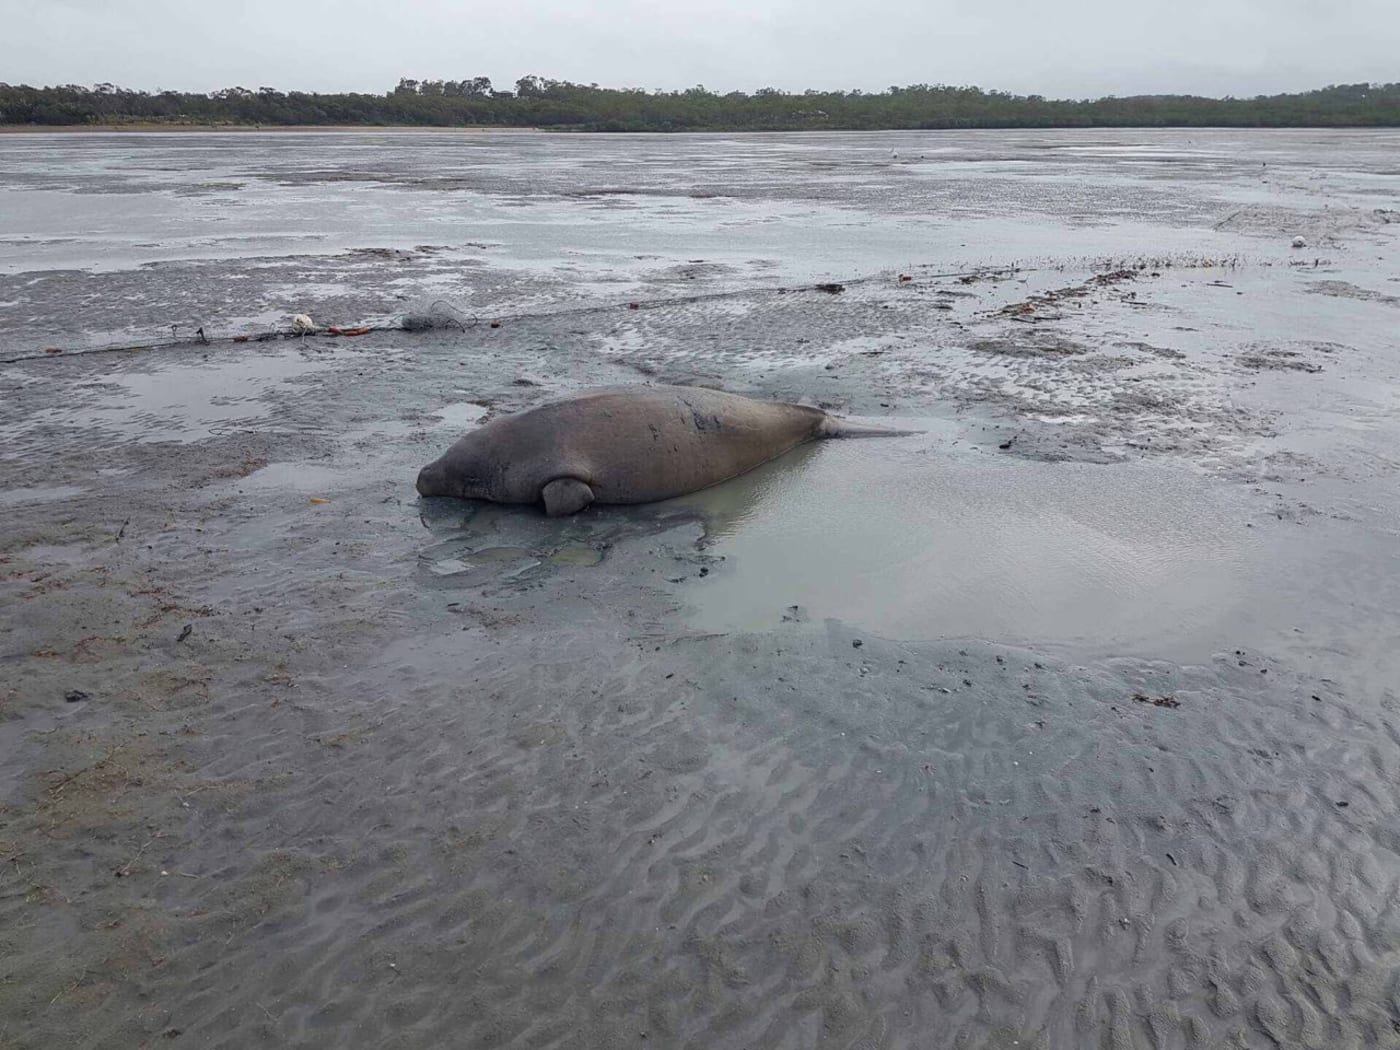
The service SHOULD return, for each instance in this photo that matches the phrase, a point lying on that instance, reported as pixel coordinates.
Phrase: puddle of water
(463, 414)
(576, 556)
(197, 400)
(481, 541)
(68, 554)
(460, 560)
(175, 402)
(376, 432)
(39, 495)
(300, 477)
(915, 539)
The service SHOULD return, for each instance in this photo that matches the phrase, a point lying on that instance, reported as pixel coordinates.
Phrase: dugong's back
(640, 444)
(653, 443)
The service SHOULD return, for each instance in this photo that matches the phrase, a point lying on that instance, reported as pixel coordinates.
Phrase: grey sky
(1066, 48)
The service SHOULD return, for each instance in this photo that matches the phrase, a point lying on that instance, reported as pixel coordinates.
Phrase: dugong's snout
(433, 480)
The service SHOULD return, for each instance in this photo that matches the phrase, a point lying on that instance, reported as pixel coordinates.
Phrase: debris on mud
(1348, 290)
(1157, 701)
(1277, 361)
(1034, 308)
(437, 315)
(1041, 344)
(1156, 351)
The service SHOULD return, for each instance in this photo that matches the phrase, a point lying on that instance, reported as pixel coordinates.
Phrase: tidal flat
(1070, 720)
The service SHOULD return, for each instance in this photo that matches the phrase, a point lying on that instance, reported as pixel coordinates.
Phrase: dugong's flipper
(564, 496)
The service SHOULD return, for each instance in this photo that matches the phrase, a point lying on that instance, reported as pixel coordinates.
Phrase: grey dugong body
(626, 445)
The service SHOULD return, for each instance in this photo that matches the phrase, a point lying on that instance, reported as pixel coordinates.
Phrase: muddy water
(924, 542)
(176, 402)
(115, 238)
(290, 757)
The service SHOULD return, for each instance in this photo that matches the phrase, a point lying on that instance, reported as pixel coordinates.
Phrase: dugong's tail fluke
(840, 428)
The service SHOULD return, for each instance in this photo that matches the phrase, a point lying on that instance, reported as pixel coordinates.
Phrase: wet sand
(158, 127)
(1068, 721)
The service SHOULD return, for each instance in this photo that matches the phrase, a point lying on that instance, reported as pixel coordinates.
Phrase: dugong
(625, 445)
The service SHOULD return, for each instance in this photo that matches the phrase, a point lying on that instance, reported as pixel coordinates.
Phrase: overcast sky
(1058, 48)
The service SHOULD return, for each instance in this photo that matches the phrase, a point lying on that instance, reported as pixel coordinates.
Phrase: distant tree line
(540, 103)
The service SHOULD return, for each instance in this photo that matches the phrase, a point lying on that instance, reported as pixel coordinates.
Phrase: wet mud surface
(1069, 720)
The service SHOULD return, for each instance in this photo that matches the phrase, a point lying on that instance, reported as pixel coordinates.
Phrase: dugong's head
(437, 480)
(457, 473)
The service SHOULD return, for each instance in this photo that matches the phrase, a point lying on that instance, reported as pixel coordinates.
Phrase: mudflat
(1070, 720)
